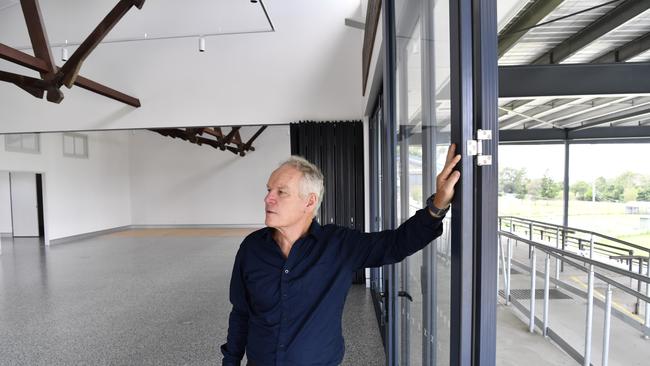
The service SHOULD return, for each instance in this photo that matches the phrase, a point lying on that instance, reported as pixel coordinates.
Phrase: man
(290, 279)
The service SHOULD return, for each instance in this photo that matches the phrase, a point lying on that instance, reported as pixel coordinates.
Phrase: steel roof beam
(517, 28)
(585, 108)
(573, 79)
(557, 135)
(532, 113)
(603, 111)
(618, 16)
(614, 117)
(626, 51)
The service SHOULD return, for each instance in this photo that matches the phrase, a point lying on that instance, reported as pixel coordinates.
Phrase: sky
(587, 161)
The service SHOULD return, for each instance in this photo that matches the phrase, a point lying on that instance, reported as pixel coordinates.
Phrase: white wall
(5, 203)
(174, 182)
(310, 68)
(80, 195)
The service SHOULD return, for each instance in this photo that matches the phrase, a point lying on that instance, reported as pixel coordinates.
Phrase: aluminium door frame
(474, 91)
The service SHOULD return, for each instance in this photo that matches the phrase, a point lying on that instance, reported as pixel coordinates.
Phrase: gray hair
(312, 178)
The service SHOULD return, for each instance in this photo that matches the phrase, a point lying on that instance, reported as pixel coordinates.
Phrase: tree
(513, 181)
(534, 188)
(549, 189)
(644, 194)
(580, 190)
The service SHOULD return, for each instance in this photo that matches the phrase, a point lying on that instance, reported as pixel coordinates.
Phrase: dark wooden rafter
(53, 77)
(41, 47)
(68, 73)
(37, 35)
(249, 144)
(33, 86)
(221, 142)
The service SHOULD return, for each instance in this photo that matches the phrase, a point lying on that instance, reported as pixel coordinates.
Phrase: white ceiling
(73, 20)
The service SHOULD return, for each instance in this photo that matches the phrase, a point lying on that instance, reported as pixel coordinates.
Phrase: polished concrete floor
(135, 300)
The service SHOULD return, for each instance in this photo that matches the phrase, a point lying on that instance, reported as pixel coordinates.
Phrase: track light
(64, 52)
(201, 44)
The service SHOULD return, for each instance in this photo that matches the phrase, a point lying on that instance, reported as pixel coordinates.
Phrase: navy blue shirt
(289, 311)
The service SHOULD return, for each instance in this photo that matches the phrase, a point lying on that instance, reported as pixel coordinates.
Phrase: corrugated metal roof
(539, 40)
(567, 112)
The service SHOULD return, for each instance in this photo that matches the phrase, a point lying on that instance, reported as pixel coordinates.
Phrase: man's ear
(311, 201)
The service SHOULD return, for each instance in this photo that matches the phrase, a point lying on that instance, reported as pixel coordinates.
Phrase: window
(75, 145)
(25, 142)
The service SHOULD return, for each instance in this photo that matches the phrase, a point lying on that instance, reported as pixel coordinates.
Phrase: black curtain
(337, 149)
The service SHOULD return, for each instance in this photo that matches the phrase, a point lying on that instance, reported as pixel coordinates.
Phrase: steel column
(608, 315)
(547, 270)
(533, 275)
(590, 315)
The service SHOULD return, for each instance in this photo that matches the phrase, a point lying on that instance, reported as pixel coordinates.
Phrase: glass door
(440, 86)
(422, 111)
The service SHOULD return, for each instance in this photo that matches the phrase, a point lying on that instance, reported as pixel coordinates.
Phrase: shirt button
(282, 346)
(286, 271)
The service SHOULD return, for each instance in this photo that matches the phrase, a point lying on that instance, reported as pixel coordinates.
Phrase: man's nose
(269, 198)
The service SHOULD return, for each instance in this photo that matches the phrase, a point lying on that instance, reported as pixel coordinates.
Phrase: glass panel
(531, 182)
(610, 190)
(422, 109)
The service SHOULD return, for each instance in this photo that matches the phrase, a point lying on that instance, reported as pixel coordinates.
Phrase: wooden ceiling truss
(54, 77)
(231, 142)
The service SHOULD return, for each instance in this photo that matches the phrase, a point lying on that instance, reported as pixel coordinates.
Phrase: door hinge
(475, 147)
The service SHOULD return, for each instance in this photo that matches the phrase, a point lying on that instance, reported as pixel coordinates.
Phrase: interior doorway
(26, 192)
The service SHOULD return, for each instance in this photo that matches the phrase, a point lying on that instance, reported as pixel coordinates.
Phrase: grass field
(608, 218)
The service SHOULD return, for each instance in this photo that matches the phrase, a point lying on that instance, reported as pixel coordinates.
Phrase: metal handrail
(559, 253)
(569, 228)
(588, 266)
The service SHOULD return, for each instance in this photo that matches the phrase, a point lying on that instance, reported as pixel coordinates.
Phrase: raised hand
(447, 179)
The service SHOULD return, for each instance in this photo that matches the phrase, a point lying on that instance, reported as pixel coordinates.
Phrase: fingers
(449, 167)
(451, 151)
(453, 179)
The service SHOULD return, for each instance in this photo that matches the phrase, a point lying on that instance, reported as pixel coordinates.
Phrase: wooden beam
(33, 86)
(191, 135)
(68, 73)
(226, 140)
(23, 59)
(37, 34)
(41, 46)
(100, 89)
(249, 144)
(216, 132)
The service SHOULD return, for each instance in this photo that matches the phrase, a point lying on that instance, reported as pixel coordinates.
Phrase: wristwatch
(437, 212)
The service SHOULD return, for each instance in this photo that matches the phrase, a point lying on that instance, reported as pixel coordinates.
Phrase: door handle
(406, 295)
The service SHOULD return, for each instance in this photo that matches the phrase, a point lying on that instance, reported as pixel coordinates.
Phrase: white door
(24, 205)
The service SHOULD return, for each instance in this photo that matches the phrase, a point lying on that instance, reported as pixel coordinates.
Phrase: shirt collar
(314, 230)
